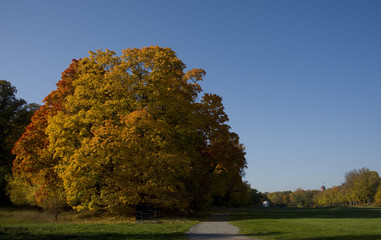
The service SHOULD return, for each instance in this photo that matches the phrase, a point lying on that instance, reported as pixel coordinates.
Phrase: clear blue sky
(300, 80)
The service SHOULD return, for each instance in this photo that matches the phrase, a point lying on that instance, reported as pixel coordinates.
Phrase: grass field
(265, 223)
(309, 223)
(33, 225)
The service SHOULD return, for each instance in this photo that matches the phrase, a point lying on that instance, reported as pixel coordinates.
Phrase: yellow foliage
(130, 132)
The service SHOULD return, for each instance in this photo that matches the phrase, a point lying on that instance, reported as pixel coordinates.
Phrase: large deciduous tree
(125, 131)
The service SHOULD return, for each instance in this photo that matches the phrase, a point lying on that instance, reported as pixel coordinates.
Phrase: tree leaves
(15, 115)
(128, 131)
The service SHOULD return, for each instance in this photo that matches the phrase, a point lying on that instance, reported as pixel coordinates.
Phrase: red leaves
(33, 160)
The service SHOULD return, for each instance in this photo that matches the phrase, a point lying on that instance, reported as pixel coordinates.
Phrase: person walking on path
(216, 228)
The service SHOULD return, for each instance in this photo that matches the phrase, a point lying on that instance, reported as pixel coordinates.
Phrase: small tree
(52, 200)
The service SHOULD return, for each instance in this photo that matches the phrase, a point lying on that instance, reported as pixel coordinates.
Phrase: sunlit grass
(317, 223)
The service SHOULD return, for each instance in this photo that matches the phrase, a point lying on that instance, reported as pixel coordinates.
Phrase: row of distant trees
(361, 187)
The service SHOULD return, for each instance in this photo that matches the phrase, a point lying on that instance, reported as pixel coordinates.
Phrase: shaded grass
(30, 224)
(19, 216)
(309, 223)
(165, 230)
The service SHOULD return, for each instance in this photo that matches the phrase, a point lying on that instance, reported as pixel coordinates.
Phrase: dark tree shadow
(20, 233)
(294, 213)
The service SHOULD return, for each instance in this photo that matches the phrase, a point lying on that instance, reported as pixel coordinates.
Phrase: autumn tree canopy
(361, 185)
(129, 130)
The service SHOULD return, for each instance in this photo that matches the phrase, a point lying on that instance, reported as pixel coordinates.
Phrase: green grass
(264, 223)
(29, 224)
(309, 223)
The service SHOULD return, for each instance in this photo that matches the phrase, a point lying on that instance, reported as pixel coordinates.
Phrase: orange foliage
(126, 131)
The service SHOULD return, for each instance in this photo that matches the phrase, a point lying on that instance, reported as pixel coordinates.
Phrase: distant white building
(266, 203)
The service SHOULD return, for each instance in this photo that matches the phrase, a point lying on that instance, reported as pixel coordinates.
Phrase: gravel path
(216, 228)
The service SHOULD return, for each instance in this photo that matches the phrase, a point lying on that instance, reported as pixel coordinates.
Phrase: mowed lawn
(28, 224)
(309, 223)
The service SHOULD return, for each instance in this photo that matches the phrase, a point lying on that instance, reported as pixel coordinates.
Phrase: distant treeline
(361, 187)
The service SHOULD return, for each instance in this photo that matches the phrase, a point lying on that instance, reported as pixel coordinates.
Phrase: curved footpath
(216, 228)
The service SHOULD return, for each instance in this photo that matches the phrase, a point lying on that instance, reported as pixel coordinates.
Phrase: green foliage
(256, 197)
(15, 115)
(377, 197)
(279, 198)
(21, 193)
